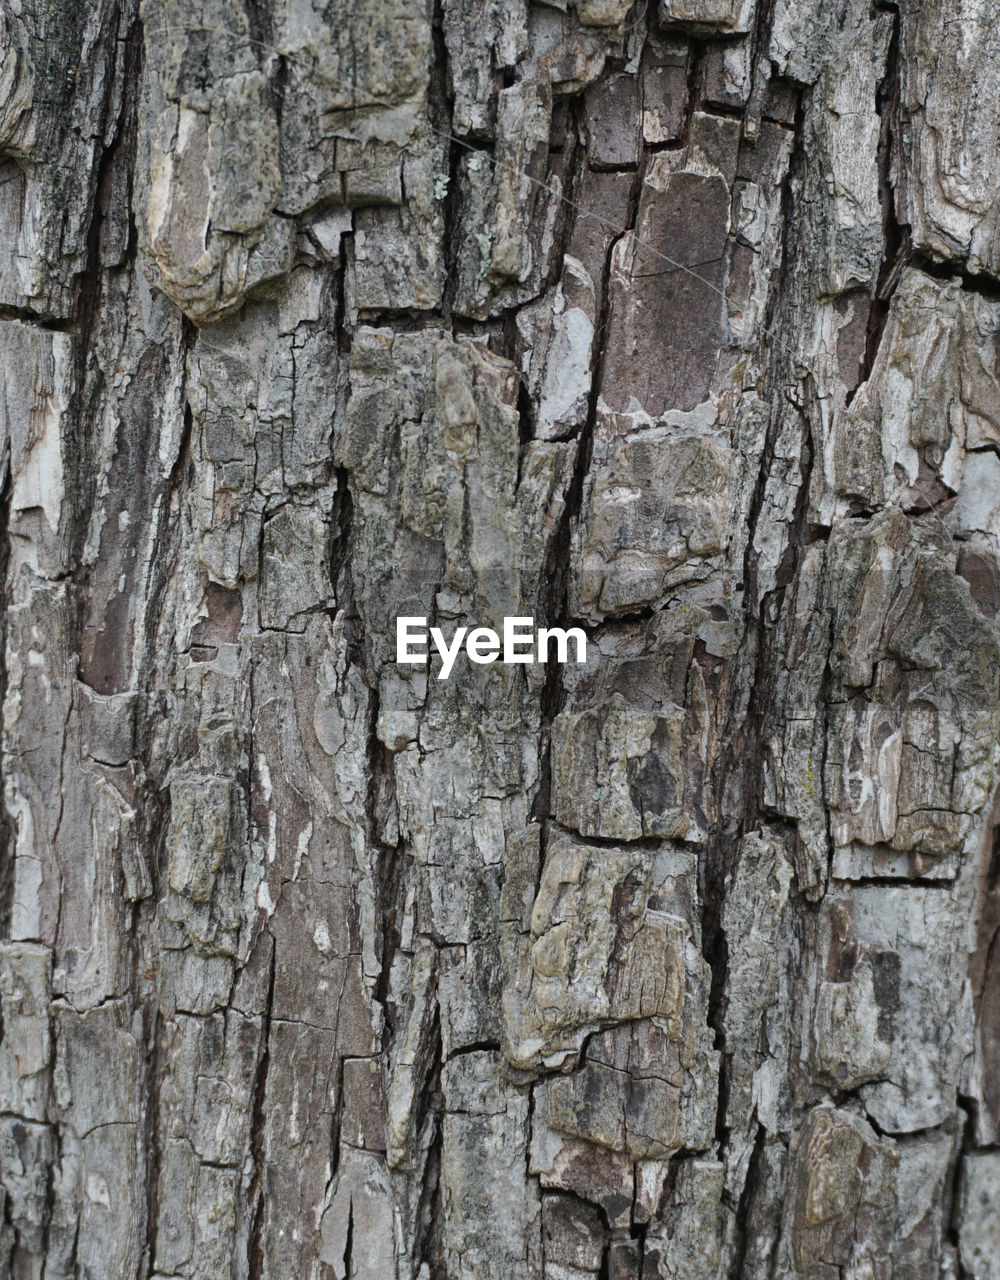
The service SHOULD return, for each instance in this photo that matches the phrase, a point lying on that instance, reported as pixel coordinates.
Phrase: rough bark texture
(679, 321)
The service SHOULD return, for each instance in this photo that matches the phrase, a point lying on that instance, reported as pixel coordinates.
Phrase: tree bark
(678, 322)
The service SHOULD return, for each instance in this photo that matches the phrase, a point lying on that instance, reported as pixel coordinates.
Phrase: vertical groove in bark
(6, 824)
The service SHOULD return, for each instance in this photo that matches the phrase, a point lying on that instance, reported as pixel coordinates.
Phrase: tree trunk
(675, 322)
